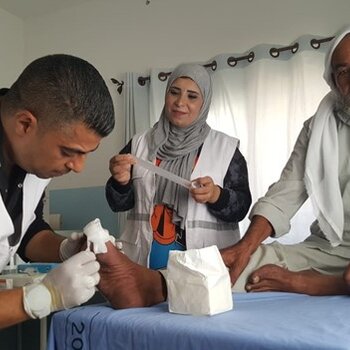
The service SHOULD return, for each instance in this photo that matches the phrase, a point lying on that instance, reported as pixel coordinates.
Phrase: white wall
(12, 45)
(127, 35)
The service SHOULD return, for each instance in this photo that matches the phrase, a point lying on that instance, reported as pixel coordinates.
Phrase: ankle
(154, 288)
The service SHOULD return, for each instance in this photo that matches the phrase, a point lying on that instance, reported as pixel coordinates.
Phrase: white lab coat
(33, 188)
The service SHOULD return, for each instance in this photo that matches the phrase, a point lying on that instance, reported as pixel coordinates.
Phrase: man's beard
(343, 103)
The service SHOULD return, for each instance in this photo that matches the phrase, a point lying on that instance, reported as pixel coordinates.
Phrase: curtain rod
(162, 76)
(232, 61)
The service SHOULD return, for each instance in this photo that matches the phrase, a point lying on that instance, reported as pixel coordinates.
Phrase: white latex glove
(71, 245)
(70, 284)
(118, 245)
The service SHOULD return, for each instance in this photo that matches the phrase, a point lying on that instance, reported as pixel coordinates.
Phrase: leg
(346, 277)
(294, 268)
(276, 278)
(126, 284)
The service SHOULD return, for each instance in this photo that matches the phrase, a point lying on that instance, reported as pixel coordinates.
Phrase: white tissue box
(198, 282)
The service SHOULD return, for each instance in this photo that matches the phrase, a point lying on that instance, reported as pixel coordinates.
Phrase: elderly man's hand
(236, 258)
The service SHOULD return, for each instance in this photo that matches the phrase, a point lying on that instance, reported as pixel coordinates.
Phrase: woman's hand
(120, 167)
(204, 190)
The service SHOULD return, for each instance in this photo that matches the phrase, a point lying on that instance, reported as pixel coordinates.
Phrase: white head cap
(339, 36)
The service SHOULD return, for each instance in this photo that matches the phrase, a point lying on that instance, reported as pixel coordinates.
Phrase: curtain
(263, 101)
(136, 119)
(136, 101)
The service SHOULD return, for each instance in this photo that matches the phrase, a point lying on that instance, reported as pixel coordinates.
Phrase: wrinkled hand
(204, 190)
(72, 245)
(236, 258)
(120, 167)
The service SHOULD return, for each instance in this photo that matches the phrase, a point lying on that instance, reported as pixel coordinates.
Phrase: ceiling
(31, 8)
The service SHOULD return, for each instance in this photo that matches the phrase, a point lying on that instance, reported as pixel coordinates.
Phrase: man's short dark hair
(63, 89)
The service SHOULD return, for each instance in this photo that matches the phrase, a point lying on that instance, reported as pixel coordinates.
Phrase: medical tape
(164, 173)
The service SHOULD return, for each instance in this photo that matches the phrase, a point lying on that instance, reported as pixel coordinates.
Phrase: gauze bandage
(164, 173)
(97, 237)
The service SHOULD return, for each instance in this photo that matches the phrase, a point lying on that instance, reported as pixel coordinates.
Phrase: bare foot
(126, 284)
(275, 278)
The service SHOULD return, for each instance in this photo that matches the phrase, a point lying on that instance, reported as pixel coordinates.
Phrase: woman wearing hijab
(163, 215)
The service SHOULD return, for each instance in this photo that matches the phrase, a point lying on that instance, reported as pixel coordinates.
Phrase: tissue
(198, 282)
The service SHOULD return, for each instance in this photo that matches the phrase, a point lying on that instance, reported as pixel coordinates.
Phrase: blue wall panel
(79, 206)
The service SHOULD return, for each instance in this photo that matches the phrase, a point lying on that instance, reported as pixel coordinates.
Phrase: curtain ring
(214, 65)
(274, 52)
(251, 56)
(316, 43)
(162, 76)
(232, 61)
(295, 48)
(142, 80)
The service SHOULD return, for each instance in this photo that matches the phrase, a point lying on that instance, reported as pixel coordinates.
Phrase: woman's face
(183, 102)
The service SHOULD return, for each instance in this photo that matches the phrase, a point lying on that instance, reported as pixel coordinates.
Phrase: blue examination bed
(258, 321)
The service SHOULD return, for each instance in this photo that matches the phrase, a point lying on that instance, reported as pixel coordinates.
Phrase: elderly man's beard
(343, 103)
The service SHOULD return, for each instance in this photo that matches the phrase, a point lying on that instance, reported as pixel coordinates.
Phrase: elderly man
(318, 168)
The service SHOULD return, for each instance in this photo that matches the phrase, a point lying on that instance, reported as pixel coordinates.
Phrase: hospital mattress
(267, 320)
